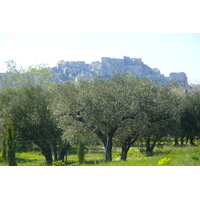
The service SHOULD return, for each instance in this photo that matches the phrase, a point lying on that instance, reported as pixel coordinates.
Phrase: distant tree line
(120, 111)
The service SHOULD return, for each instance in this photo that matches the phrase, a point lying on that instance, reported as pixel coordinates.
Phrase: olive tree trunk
(108, 152)
(63, 152)
(125, 146)
(176, 141)
(125, 150)
(107, 142)
(46, 150)
(149, 146)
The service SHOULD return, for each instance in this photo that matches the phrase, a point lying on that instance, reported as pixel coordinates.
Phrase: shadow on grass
(89, 150)
(86, 162)
(94, 162)
(156, 152)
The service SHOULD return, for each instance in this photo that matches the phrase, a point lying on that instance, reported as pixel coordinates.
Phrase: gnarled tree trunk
(108, 153)
(149, 146)
(62, 153)
(126, 146)
(107, 142)
(176, 141)
(125, 150)
(46, 150)
(192, 140)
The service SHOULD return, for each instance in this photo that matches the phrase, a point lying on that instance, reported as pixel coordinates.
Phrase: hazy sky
(167, 52)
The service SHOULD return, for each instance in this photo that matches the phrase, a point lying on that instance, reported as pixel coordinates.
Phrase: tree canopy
(119, 111)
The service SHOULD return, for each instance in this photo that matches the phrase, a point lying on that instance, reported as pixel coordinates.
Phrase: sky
(169, 52)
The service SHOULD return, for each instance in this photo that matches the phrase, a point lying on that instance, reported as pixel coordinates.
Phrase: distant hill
(73, 70)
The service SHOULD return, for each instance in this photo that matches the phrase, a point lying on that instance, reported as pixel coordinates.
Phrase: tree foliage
(120, 111)
(160, 106)
(26, 102)
(190, 116)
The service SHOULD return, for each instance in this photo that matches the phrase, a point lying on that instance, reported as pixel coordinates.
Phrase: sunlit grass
(32, 158)
(178, 156)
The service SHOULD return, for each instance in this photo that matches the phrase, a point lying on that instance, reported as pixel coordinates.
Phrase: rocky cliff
(65, 70)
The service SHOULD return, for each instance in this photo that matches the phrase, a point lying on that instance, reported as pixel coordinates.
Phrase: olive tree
(128, 133)
(159, 105)
(190, 116)
(99, 106)
(26, 102)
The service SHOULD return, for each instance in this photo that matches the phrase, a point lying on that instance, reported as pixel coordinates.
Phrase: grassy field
(167, 156)
(177, 156)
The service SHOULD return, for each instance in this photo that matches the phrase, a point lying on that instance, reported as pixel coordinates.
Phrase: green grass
(30, 158)
(180, 156)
